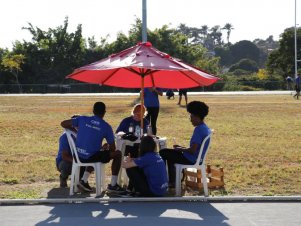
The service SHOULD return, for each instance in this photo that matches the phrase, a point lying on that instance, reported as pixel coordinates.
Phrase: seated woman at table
(131, 124)
(148, 172)
(134, 120)
(188, 155)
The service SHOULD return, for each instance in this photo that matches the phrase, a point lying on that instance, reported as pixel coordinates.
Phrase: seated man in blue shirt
(91, 132)
(147, 172)
(64, 159)
(188, 155)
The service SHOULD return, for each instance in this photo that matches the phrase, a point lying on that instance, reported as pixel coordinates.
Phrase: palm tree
(216, 35)
(195, 35)
(204, 32)
(184, 29)
(228, 27)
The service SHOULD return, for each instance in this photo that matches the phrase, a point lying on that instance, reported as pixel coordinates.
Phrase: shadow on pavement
(64, 193)
(142, 214)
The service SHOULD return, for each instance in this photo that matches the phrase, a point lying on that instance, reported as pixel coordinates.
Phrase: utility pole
(144, 27)
(296, 60)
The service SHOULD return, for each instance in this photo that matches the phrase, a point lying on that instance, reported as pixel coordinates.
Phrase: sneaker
(116, 188)
(129, 194)
(171, 185)
(63, 182)
(84, 186)
(129, 189)
(124, 194)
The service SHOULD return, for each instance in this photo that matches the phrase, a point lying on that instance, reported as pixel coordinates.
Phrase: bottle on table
(137, 131)
(149, 130)
(131, 128)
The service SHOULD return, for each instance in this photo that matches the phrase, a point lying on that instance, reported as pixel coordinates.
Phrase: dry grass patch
(256, 139)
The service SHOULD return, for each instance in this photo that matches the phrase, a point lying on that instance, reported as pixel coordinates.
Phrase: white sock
(86, 176)
(114, 180)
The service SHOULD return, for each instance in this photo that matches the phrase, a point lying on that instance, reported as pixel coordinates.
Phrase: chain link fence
(93, 88)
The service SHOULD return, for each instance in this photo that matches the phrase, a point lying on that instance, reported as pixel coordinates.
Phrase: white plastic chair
(99, 168)
(199, 164)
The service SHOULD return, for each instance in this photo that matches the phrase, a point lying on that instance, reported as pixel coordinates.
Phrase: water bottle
(137, 131)
(149, 130)
(131, 128)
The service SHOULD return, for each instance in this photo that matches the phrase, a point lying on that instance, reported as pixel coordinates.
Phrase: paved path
(154, 213)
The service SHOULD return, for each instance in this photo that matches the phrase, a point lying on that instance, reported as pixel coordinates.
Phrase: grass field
(256, 139)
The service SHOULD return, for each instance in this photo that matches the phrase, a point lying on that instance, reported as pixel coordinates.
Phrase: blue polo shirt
(63, 146)
(125, 124)
(91, 132)
(155, 172)
(151, 99)
(199, 134)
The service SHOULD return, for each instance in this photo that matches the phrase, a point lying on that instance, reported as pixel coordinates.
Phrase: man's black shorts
(183, 92)
(100, 156)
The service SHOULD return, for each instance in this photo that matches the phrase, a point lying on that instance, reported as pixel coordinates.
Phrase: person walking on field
(297, 87)
(289, 82)
(182, 92)
(91, 132)
(152, 104)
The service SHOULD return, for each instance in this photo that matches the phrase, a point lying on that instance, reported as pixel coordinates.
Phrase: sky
(251, 19)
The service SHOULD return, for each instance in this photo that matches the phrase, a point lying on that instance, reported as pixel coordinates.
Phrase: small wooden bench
(215, 178)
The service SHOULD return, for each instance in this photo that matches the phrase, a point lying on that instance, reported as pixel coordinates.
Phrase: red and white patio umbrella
(143, 66)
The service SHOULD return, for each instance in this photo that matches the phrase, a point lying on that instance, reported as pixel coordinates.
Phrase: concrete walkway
(154, 213)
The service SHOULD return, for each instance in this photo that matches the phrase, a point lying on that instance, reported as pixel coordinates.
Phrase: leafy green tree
(244, 50)
(52, 54)
(246, 65)
(226, 58)
(282, 60)
(266, 46)
(175, 44)
(13, 64)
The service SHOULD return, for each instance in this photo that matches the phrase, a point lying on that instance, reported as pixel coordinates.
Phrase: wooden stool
(215, 178)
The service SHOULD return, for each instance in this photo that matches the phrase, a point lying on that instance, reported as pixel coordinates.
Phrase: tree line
(54, 53)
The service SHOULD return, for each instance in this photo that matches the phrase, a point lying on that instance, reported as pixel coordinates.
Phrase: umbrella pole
(142, 103)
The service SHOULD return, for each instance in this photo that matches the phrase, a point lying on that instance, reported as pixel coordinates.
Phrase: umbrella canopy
(129, 67)
(143, 66)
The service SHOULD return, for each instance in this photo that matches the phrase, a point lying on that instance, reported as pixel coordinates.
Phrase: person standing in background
(182, 92)
(289, 82)
(151, 102)
(297, 87)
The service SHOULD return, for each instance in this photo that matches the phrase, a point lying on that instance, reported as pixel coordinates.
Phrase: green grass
(256, 140)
